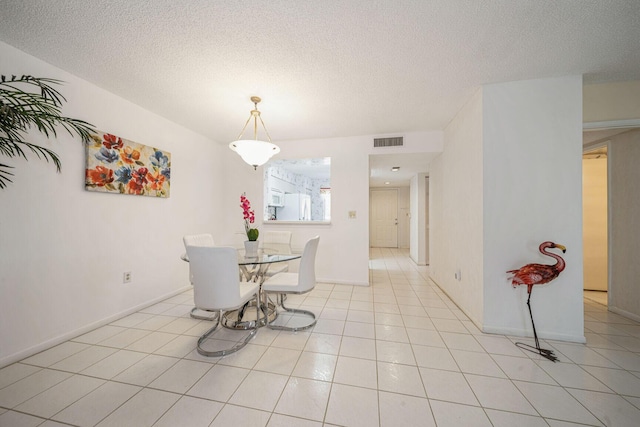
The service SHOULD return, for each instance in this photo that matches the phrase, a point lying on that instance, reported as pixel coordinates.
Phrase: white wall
(418, 194)
(510, 178)
(456, 212)
(343, 253)
(532, 139)
(611, 101)
(624, 213)
(64, 250)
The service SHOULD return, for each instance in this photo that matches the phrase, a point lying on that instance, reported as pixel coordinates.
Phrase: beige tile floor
(398, 353)
(596, 296)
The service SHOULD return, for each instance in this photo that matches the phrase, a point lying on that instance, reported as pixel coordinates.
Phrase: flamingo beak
(564, 249)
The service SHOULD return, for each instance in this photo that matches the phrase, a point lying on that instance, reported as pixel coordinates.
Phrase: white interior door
(383, 206)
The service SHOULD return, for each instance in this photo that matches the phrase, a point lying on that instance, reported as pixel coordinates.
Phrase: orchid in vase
(249, 218)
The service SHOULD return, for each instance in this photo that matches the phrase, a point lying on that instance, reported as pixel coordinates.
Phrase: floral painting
(116, 165)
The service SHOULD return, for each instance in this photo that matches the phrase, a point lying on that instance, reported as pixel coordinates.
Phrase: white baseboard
(546, 335)
(488, 329)
(624, 313)
(474, 321)
(15, 357)
(417, 262)
(342, 282)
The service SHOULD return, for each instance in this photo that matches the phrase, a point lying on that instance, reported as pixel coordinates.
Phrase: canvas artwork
(117, 165)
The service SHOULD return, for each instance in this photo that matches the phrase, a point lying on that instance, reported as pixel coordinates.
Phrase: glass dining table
(254, 269)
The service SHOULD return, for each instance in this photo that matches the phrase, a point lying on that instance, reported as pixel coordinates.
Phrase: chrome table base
(244, 319)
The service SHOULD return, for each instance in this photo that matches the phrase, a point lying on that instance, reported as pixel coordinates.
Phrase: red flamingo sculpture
(538, 274)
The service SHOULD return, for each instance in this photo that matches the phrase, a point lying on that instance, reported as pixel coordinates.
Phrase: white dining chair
(217, 288)
(295, 283)
(276, 242)
(198, 240)
(276, 238)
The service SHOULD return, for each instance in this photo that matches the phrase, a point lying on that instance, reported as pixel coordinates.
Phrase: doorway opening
(594, 223)
(616, 148)
(406, 175)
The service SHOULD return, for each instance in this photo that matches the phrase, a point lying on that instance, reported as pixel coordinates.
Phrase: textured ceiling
(410, 164)
(323, 68)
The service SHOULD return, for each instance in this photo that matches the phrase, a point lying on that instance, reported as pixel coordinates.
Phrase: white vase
(251, 248)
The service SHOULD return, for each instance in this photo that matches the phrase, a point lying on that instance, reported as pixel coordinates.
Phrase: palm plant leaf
(29, 102)
(4, 175)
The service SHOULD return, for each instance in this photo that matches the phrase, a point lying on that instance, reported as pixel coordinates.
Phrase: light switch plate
(352, 214)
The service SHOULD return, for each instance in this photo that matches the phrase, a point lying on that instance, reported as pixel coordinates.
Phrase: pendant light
(254, 151)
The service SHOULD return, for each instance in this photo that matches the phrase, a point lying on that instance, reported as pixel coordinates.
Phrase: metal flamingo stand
(541, 351)
(538, 274)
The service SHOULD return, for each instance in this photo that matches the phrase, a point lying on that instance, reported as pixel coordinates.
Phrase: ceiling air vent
(388, 142)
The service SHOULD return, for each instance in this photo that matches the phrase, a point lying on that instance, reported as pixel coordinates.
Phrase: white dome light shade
(254, 152)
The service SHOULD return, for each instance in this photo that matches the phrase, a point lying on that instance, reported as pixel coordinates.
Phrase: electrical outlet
(126, 277)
